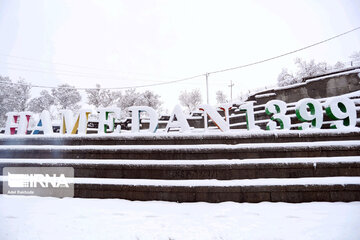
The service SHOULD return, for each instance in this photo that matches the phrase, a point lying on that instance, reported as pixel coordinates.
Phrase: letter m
(69, 125)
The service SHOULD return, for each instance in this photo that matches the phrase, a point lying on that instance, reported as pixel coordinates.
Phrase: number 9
(343, 109)
(315, 115)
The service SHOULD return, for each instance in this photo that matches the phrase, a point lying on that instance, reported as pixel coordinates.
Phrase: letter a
(181, 122)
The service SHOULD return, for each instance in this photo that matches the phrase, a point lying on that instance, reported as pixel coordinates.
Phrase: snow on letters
(309, 112)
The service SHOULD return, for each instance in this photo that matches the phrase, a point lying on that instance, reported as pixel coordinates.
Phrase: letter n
(215, 117)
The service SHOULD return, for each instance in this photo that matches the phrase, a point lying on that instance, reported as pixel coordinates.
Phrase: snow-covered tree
(13, 97)
(22, 95)
(305, 69)
(6, 105)
(339, 65)
(191, 100)
(221, 97)
(66, 97)
(100, 97)
(285, 78)
(133, 98)
(93, 96)
(149, 98)
(309, 69)
(43, 102)
(129, 98)
(355, 56)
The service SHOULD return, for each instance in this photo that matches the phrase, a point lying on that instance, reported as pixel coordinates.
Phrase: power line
(207, 74)
(74, 74)
(284, 54)
(70, 65)
(111, 88)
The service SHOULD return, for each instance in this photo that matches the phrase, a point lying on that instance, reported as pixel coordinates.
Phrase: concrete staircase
(242, 166)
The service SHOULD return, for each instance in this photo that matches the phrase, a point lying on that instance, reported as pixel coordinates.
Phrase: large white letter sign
(250, 115)
(67, 124)
(23, 122)
(278, 109)
(106, 119)
(19, 121)
(342, 109)
(44, 124)
(215, 117)
(226, 107)
(315, 115)
(180, 122)
(135, 118)
(11, 123)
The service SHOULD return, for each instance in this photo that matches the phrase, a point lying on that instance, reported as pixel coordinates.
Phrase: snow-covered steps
(297, 166)
(211, 137)
(330, 189)
(199, 169)
(186, 152)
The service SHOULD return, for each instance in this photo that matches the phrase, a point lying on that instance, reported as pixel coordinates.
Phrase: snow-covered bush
(13, 97)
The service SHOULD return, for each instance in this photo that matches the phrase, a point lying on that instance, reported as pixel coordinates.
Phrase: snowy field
(52, 218)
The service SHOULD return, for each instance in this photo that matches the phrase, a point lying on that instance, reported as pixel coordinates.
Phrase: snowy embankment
(52, 218)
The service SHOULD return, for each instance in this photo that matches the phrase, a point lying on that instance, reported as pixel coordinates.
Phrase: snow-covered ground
(51, 218)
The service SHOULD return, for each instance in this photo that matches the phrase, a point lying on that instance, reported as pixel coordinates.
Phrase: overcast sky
(128, 43)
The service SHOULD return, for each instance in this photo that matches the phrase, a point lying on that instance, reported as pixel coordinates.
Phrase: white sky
(144, 42)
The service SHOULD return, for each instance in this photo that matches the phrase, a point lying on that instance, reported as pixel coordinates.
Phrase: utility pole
(231, 86)
(207, 88)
